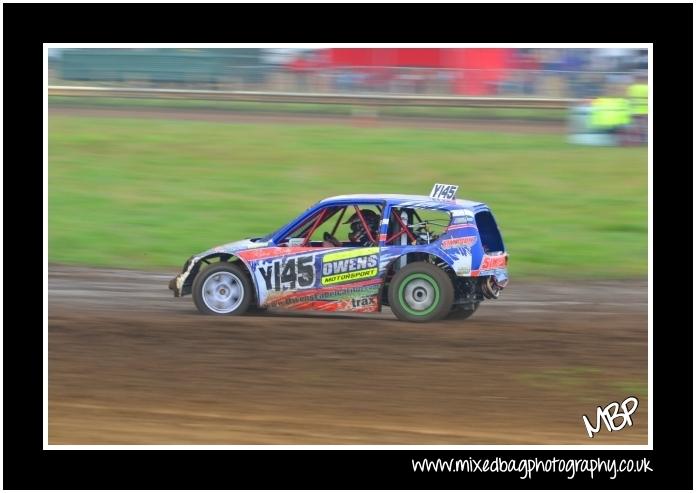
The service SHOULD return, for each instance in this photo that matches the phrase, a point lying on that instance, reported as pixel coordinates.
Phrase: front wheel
(222, 289)
(421, 292)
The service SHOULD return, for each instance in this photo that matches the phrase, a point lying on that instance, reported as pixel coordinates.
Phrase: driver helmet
(357, 230)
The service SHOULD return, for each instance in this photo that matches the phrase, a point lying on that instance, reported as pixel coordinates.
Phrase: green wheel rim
(430, 281)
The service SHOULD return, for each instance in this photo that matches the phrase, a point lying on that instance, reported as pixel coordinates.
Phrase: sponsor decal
(334, 306)
(329, 295)
(362, 302)
(464, 241)
(497, 262)
(270, 252)
(350, 253)
(349, 265)
(348, 276)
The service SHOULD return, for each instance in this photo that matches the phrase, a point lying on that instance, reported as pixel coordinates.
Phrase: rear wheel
(421, 292)
(222, 289)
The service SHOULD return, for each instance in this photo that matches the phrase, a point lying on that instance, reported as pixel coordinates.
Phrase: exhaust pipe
(490, 288)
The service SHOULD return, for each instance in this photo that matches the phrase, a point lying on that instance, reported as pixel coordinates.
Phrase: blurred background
(158, 154)
(137, 177)
(549, 73)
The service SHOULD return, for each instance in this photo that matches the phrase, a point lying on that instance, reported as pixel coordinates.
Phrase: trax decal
(349, 265)
(362, 302)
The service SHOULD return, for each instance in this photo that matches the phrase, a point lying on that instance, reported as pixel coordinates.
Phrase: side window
(338, 226)
(346, 227)
(299, 235)
(419, 226)
(334, 226)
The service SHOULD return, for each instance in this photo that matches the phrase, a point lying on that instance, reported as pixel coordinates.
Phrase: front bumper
(173, 285)
(177, 283)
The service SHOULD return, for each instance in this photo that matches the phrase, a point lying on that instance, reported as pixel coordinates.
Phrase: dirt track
(478, 125)
(129, 364)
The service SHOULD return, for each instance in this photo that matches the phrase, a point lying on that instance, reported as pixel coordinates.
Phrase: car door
(311, 273)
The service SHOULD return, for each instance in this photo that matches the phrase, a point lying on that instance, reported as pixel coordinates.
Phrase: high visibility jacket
(622, 109)
(610, 112)
(638, 94)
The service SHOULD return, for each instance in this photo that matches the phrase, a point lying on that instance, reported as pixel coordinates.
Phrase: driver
(357, 230)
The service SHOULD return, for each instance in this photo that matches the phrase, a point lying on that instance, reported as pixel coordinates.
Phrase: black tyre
(256, 310)
(222, 289)
(421, 292)
(462, 312)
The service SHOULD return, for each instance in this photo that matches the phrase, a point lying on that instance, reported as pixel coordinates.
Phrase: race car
(426, 257)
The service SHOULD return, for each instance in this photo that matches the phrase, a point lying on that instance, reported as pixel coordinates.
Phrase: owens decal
(288, 273)
(349, 265)
(465, 241)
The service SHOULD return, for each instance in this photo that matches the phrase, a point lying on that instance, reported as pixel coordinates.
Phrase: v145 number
(291, 273)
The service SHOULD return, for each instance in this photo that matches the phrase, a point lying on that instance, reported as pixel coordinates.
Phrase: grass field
(535, 114)
(149, 193)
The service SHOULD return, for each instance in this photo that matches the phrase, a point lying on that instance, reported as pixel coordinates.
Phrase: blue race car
(426, 257)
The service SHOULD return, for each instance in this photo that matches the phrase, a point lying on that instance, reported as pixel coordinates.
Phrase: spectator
(572, 66)
(528, 64)
(637, 94)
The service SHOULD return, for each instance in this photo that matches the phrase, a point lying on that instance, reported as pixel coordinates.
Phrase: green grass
(309, 108)
(149, 193)
(569, 378)
(583, 384)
